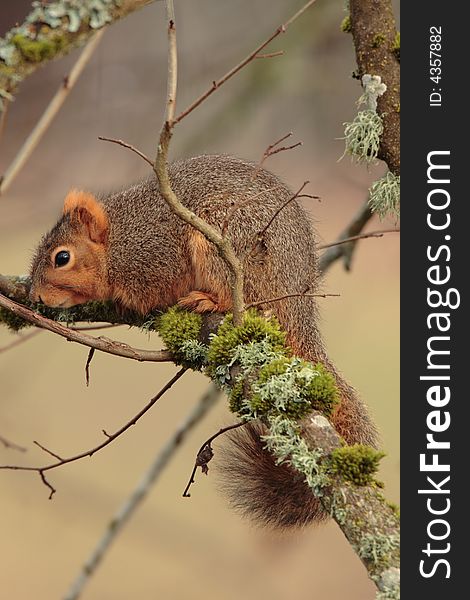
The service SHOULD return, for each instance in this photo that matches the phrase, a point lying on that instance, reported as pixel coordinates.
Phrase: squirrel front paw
(201, 302)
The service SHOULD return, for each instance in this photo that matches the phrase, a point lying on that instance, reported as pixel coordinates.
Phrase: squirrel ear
(89, 212)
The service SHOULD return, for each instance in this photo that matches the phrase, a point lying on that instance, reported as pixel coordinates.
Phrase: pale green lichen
(378, 548)
(286, 444)
(195, 353)
(384, 196)
(253, 329)
(362, 135)
(293, 387)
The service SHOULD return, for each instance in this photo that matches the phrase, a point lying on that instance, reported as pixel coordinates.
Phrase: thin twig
(300, 295)
(20, 340)
(346, 251)
(298, 194)
(100, 343)
(49, 114)
(110, 438)
(3, 116)
(96, 327)
(91, 353)
(216, 84)
(172, 80)
(11, 445)
(205, 454)
(362, 236)
(161, 171)
(270, 150)
(271, 54)
(126, 145)
(141, 491)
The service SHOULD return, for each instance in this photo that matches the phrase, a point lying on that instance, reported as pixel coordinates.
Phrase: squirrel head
(70, 266)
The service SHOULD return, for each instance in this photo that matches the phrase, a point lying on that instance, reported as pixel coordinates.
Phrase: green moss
(38, 50)
(394, 507)
(322, 391)
(254, 328)
(236, 400)
(356, 464)
(12, 321)
(378, 40)
(396, 46)
(6, 70)
(292, 387)
(346, 24)
(177, 327)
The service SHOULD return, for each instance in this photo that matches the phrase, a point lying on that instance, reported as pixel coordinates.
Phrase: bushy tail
(272, 495)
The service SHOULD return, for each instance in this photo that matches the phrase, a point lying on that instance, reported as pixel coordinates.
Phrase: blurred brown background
(178, 548)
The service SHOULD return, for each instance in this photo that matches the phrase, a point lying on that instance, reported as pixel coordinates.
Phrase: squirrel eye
(62, 258)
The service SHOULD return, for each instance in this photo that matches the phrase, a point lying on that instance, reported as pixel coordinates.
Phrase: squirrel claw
(200, 302)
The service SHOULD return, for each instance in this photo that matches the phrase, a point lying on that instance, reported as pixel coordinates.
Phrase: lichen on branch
(376, 43)
(52, 30)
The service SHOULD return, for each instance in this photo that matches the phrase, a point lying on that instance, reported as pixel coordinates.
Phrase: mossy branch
(374, 33)
(51, 31)
(254, 366)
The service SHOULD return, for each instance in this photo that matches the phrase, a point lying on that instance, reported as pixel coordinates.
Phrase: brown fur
(130, 247)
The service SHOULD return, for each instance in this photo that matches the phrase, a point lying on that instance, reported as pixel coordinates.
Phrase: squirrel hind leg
(272, 495)
(203, 302)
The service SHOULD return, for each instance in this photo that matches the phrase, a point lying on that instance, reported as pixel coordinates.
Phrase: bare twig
(298, 194)
(216, 84)
(205, 454)
(3, 116)
(270, 150)
(271, 54)
(109, 439)
(101, 343)
(87, 365)
(367, 18)
(49, 114)
(362, 236)
(11, 445)
(95, 327)
(20, 340)
(143, 488)
(346, 251)
(161, 171)
(126, 145)
(300, 295)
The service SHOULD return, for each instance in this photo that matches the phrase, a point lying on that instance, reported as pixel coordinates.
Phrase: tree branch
(362, 236)
(49, 114)
(109, 439)
(223, 244)
(346, 251)
(141, 491)
(72, 335)
(44, 36)
(375, 36)
(216, 84)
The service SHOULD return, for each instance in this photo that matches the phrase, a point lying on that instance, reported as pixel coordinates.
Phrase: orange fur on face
(89, 212)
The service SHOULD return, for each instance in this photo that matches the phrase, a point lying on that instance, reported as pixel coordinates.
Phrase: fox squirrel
(129, 247)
